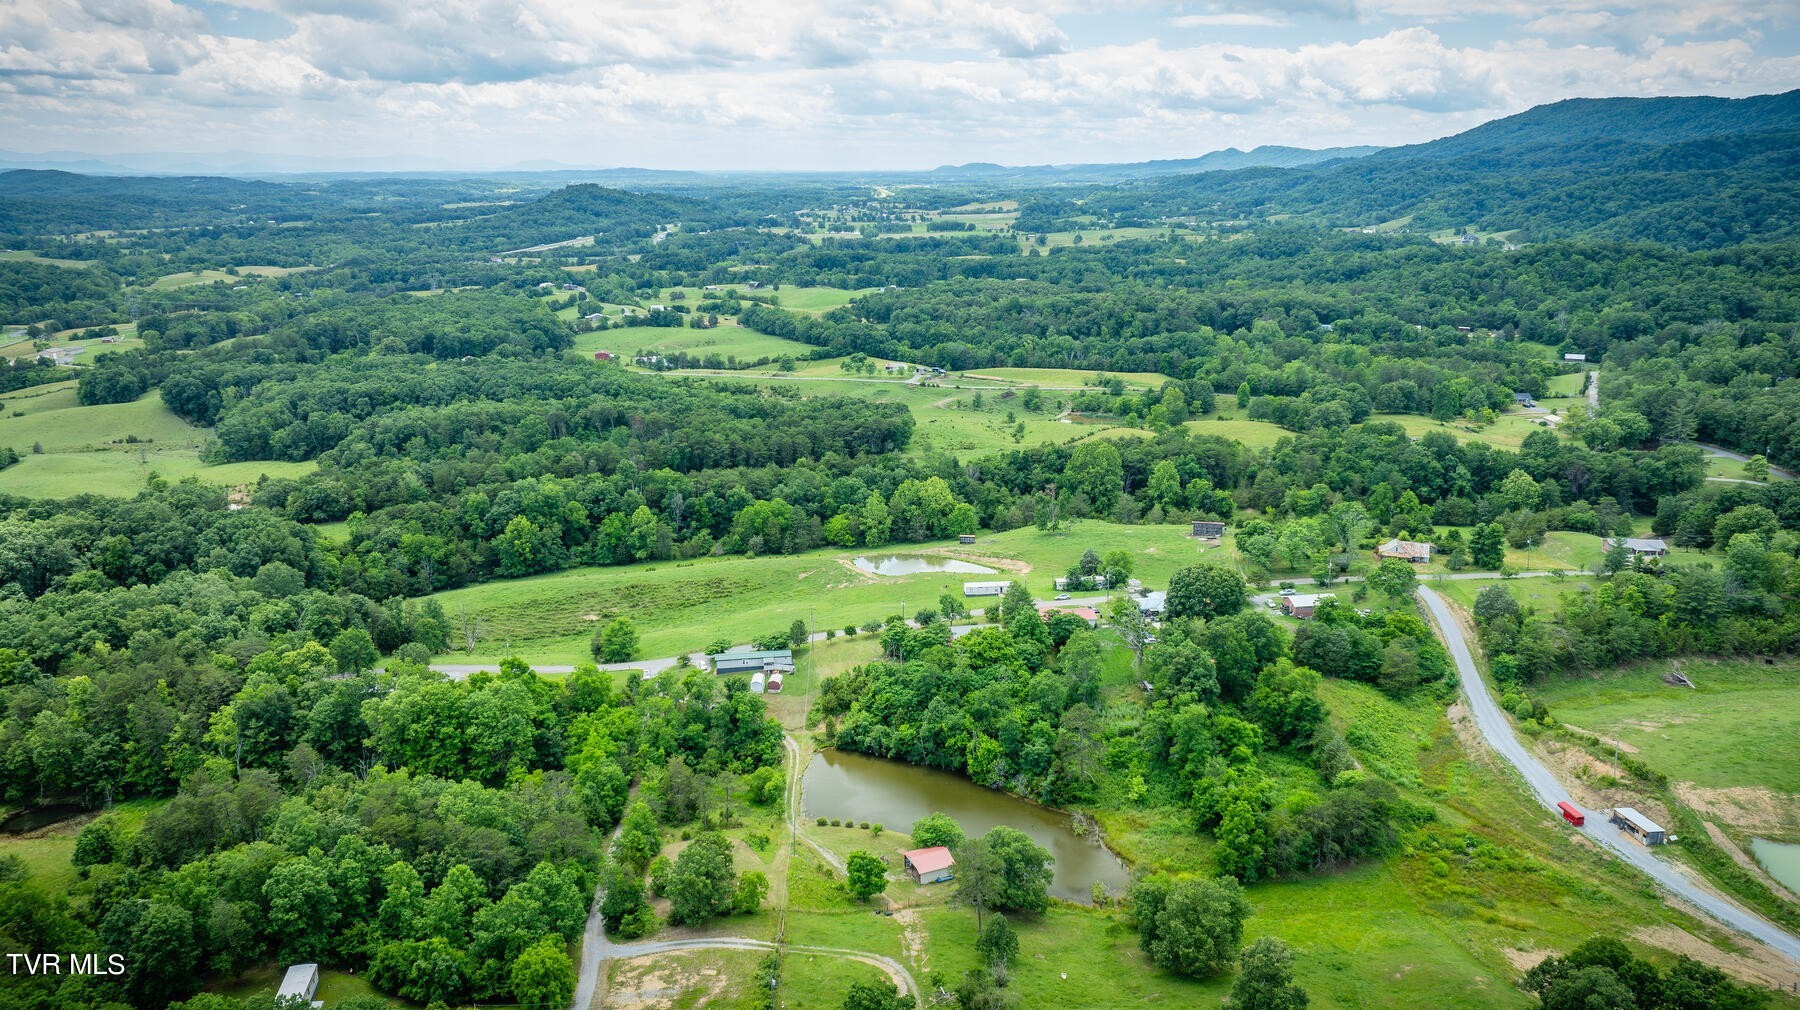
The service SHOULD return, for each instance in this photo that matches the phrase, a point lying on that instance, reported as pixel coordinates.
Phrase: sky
(828, 85)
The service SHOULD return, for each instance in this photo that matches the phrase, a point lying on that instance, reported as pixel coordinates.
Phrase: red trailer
(1570, 814)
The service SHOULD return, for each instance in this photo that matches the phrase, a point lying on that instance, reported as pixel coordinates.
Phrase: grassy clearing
(1735, 728)
(85, 449)
(1566, 385)
(47, 852)
(728, 339)
(31, 257)
(60, 428)
(334, 986)
(1255, 434)
(1069, 377)
(949, 420)
(190, 278)
(121, 474)
(679, 606)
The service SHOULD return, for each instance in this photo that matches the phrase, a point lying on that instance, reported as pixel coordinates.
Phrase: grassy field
(1255, 434)
(190, 278)
(60, 424)
(948, 419)
(334, 986)
(85, 449)
(680, 606)
(1068, 378)
(1565, 385)
(31, 257)
(1737, 727)
(728, 339)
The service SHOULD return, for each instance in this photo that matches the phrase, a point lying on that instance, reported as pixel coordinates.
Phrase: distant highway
(1549, 790)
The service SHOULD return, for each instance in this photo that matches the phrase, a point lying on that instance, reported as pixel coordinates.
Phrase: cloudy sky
(799, 84)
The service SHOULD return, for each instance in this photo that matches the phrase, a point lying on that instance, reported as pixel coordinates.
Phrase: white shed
(300, 982)
(756, 683)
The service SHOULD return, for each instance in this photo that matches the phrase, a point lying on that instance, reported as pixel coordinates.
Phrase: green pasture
(1068, 378)
(31, 257)
(190, 278)
(680, 606)
(1570, 384)
(122, 473)
(1735, 727)
(728, 339)
(59, 424)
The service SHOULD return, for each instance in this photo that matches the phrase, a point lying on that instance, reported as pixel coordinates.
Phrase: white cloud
(1227, 21)
(834, 83)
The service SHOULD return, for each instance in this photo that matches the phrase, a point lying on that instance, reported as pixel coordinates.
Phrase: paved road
(1593, 390)
(1548, 790)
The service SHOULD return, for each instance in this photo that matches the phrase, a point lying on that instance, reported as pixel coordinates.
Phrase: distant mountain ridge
(1229, 159)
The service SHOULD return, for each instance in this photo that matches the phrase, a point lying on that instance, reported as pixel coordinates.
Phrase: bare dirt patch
(1584, 774)
(1745, 808)
(912, 938)
(664, 981)
(1757, 965)
(1524, 960)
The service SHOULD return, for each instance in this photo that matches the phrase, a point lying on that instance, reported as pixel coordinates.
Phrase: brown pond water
(860, 788)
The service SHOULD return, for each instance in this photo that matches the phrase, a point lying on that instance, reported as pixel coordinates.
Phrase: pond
(861, 788)
(917, 564)
(1781, 859)
(33, 818)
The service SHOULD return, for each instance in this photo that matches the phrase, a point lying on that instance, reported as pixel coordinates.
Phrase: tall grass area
(1736, 727)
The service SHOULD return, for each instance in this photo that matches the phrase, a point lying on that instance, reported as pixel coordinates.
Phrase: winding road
(597, 949)
(1549, 791)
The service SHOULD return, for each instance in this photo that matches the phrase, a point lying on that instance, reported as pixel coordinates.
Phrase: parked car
(1287, 592)
(1062, 596)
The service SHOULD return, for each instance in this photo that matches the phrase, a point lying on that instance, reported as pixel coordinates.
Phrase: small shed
(300, 983)
(603, 355)
(751, 662)
(1638, 826)
(929, 866)
(965, 538)
(986, 588)
(774, 683)
(1524, 400)
(1208, 530)
(756, 682)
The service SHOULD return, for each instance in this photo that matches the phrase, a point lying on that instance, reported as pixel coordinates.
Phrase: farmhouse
(1638, 826)
(985, 588)
(1088, 614)
(1523, 400)
(928, 866)
(1639, 547)
(1208, 530)
(300, 982)
(752, 662)
(1405, 550)
(1302, 605)
(1152, 604)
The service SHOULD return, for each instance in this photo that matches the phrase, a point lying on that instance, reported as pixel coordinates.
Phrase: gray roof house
(752, 661)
